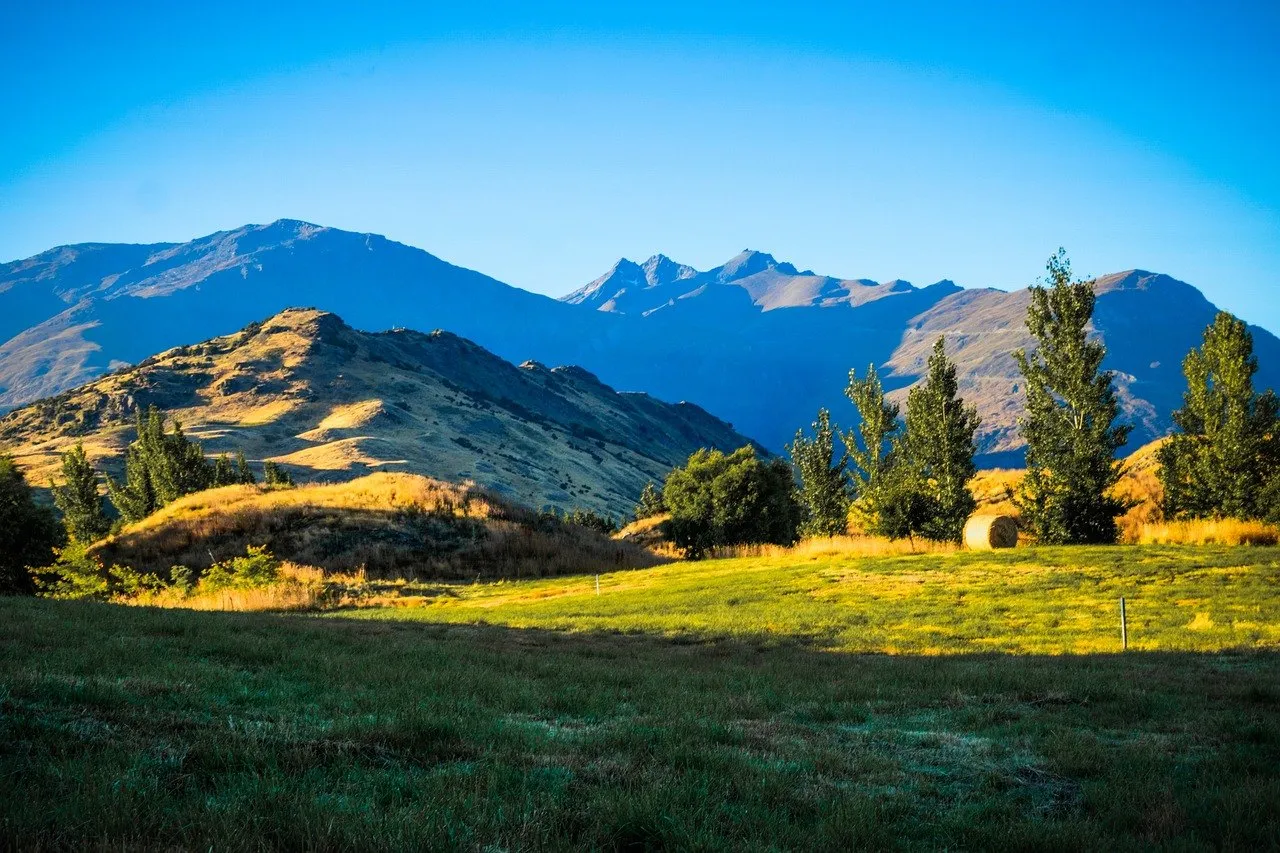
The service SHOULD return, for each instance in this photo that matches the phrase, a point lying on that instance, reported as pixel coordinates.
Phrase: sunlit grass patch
(1037, 600)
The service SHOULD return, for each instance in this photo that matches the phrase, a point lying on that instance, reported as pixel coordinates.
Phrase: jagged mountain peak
(660, 270)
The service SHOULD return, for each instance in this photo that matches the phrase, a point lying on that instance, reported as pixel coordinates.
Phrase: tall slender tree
(871, 449)
(869, 446)
(1070, 422)
(83, 512)
(1227, 449)
(244, 474)
(824, 481)
(939, 444)
(223, 473)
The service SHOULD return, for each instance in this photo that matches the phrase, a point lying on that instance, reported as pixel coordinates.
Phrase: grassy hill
(398, 525)
(330, 403)
(739, 704)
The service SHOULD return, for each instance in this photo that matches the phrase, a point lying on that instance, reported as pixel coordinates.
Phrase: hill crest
(306, 390)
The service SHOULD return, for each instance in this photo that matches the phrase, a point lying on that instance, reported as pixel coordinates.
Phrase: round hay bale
(987, 532)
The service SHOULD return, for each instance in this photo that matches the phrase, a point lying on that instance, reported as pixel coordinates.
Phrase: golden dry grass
(390, 524)
(835, 546)
(1227, 531)
(1139, 485)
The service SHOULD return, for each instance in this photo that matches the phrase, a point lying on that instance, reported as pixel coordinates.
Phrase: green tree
(603, 524)
(718, 499)
(83, 513)
(244, 474)
(274, 475)
(1227, 450)
(824, 480)
(650, 503)
(1069, 425)
(160, 467)
(223, 473)
(871, 447)
(29, 533)
(901, 506)
(938, 445)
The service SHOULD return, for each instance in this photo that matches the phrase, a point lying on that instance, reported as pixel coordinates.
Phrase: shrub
(76, 574)
(257, 568)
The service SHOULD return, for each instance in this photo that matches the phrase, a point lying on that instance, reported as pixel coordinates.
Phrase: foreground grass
(1033, 600)
(128, 727)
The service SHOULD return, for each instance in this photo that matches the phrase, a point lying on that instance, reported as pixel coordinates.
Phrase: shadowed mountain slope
(329, 402)
(81, 310)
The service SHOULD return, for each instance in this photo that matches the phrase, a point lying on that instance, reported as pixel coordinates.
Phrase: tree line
(906, 476)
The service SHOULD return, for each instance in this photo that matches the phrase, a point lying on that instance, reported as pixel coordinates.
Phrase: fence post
(597, 584)
(1124, 627)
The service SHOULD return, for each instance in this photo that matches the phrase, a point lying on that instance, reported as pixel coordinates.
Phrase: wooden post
(1124, 627)
(597, 584)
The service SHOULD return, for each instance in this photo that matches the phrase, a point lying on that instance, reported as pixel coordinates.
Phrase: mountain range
(755, 341)
(329, 402)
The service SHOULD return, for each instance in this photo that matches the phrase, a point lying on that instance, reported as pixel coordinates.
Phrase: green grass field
(963, 701)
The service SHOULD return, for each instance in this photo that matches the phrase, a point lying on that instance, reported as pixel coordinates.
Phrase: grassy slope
(751, 725)
(387, 523)
(1029, 601)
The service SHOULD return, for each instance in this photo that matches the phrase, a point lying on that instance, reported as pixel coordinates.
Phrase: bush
(78, 575)
(256, 569)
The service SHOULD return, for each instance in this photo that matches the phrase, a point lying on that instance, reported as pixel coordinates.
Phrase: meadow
(803, 701)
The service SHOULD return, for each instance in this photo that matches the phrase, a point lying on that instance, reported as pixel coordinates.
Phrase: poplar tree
(870, 450)
(1227, 450)
(1070, 422)
(824, 482)
(83, 513)
(939, 445)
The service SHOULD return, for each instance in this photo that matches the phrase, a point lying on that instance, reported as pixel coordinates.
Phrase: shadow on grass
(128, 726)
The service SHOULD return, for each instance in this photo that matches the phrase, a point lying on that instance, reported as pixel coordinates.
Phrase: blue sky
(922, 141)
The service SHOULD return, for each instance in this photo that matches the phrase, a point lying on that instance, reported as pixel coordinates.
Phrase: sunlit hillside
(383, 524)
(329, 402)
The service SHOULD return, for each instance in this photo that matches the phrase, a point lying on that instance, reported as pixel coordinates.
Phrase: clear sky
(912, 140)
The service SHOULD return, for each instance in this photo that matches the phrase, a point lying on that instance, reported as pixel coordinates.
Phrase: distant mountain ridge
(308, 391)
(756, 341)
(631, 288)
